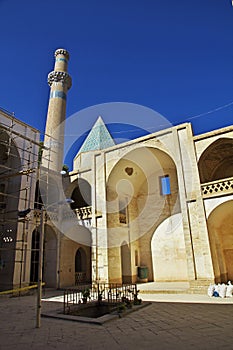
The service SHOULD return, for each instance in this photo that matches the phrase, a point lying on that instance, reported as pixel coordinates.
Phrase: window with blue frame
(165, 187)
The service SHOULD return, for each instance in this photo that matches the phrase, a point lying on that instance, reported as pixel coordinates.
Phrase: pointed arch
(168, 251)
(220, 229)
(80, 260)
(216, 162)
(136, 177)
(82, 265)
(80, 193)
(49, 269)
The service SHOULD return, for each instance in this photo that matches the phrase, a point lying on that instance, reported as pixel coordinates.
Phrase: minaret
(59, 82)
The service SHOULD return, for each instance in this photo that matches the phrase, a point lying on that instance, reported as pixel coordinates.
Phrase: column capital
(59, 77)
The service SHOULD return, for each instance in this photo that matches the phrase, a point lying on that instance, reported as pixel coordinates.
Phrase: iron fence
(110, 293)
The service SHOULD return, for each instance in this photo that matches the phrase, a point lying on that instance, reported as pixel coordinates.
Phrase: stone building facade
(162, 203)
(157, 208)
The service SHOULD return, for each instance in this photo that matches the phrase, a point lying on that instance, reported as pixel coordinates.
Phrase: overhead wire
(183, 120)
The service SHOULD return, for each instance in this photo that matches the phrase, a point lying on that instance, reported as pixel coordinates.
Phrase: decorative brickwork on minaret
(60, 82)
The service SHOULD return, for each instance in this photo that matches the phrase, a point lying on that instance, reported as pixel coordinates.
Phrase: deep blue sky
(174, 56)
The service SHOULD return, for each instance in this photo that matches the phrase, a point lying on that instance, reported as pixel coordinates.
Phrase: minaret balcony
(217, 188)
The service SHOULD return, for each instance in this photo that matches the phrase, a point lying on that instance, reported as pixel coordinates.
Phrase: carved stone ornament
(62, 52)
(59, 77)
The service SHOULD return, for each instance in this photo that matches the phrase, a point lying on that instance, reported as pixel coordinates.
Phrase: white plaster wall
(168, 251)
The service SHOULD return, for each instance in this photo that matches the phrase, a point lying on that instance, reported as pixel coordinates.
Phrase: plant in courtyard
(118, 294)
(85, 295)
(136, 300)
(100, 294)
(121, 308)
(127, 302)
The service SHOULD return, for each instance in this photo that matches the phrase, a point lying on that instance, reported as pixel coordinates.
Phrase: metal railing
(110, 293)
(84, 213)
(218, 187)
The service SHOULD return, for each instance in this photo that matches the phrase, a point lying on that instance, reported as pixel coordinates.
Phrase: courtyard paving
(172, 321)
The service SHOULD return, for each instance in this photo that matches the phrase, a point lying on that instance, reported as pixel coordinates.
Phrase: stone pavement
(166, 324)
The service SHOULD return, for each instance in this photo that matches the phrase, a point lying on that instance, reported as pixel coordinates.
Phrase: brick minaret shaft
(59, 82)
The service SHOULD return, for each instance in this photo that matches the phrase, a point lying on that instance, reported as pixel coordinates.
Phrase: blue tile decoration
(58, 94)
(98, 138)
(61, 59)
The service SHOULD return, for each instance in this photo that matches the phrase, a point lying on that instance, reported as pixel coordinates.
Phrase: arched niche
(216, 162)
(83, 265)
(49, 269)
(168, 251)
(80, 194)
(142, 191)
(220, 229)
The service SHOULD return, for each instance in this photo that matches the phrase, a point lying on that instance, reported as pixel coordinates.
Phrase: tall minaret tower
(59, 82)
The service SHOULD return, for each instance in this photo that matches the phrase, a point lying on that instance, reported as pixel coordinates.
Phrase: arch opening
(168, 251)
(81, 194)
(216, 162)
(145, 180)
(82, 267)
(220, 229)
(49, 268)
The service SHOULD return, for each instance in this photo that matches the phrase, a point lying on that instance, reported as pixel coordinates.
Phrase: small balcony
(83, 213)
(50, 215)
(217, 188)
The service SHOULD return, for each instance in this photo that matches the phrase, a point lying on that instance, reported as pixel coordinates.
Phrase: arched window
(80, 266)
(216, 162)
(81, 195)
(35, 256)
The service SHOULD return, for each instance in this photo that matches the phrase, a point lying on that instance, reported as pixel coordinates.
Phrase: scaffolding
(19, 151)
(26, 185)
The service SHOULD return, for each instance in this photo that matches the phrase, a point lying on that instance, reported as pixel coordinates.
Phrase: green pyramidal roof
(98, 138)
